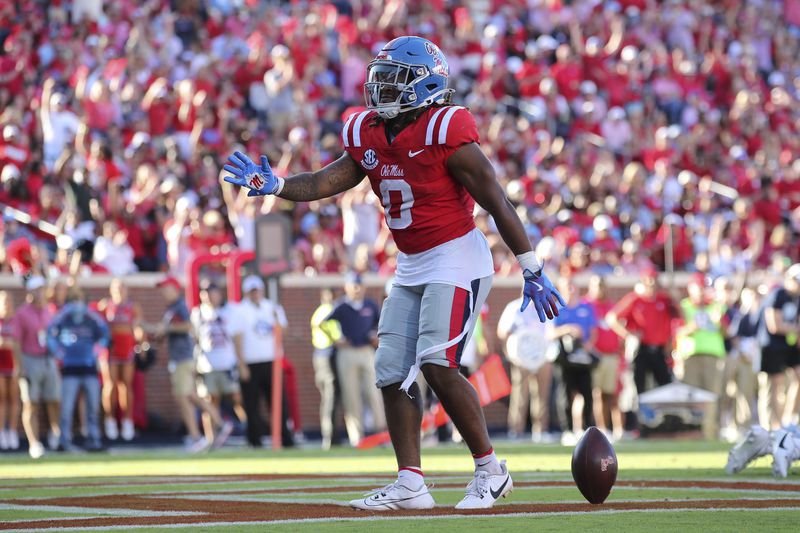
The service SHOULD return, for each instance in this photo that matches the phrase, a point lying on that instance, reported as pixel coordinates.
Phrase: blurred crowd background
(633, 136)
(609, 124)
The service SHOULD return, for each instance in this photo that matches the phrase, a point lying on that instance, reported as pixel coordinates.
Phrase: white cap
(9, 172)
(546, 42)
(793, 272)
(776, 78)
(10, 130)
(35, 282)
(588, 86)
(616, 113)
(602, 223)
(279, 50)
(629, 53)
(252, 282)
(514, 64)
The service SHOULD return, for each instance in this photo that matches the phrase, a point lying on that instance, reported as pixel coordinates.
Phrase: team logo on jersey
(393, 171)
(370, 160)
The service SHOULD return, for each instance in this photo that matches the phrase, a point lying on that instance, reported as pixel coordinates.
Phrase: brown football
(594, 466)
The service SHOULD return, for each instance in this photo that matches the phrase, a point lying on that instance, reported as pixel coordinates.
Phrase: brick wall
(299, 296)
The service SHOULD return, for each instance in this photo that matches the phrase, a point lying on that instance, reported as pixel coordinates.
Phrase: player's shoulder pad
(451, 125)
(353, 126)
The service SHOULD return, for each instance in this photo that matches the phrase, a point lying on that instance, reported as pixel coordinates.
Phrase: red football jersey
(424, 206)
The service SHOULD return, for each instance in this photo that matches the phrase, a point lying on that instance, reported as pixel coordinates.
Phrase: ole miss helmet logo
(370, 159)
(256, 182)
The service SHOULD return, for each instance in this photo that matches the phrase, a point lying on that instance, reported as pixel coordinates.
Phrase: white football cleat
(785, 449)
(755, 444)
(485, 489)
(395, 496)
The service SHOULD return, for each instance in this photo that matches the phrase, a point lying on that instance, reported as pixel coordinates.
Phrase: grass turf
(164, 471)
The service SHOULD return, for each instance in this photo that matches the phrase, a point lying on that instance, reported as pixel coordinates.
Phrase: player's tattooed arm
(338, 176)
(469, 166)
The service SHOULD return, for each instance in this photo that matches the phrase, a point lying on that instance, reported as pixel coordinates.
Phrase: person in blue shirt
(74, 336)
(574, 332)
(357, 316)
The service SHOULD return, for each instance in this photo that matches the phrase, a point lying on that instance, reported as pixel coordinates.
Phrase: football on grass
(594, 466)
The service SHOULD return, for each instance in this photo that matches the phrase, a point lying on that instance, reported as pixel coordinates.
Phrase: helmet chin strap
(389, 112)
(393, 111)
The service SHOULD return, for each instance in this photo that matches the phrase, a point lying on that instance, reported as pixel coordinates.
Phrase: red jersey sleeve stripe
(345, 130)
(357, 128)
(446, 123)
(431, 125)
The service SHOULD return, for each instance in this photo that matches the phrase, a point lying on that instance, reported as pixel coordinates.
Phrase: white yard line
(373, 518)
(93, 510)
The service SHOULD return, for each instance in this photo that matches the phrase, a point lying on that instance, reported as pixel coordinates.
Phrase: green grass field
(662, 486)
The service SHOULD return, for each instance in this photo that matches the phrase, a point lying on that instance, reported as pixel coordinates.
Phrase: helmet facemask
(390, 88)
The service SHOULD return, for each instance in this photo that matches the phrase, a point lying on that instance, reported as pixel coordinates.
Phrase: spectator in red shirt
(644, 317)
(567, 72)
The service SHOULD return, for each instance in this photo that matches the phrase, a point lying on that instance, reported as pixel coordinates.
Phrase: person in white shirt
(531, 370)
(253, 327)
(59, 125)
(216, 357)
(112, 251)
(616, 130)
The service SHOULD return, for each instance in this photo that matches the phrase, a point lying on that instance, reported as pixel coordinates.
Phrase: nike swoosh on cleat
(385, 502)
(414, 154)
(496, 493)
(780, 445)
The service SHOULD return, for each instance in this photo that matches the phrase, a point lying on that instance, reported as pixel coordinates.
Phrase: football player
(423, 161)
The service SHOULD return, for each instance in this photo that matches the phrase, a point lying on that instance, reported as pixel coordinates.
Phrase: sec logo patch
(370, 159)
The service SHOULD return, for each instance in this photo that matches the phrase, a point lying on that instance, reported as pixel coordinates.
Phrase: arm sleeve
(52, 338)
(194, 317)
(332, 329)
(183, 313)
(16, 332)
(234, 320)
(624, 306)
(280, 315)
(335, 314)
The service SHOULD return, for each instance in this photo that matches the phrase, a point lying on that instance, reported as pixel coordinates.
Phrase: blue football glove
(539, 289)
(260, 180)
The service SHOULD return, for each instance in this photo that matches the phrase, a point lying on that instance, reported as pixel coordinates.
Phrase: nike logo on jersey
(414, 154)
(496, 493)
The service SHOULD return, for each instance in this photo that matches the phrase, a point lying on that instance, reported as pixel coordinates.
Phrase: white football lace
(479, 485)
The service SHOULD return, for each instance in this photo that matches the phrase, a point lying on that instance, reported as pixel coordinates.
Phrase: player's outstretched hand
(260, 180)
(540, 290)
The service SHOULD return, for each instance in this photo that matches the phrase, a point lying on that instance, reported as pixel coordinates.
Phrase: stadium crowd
(609, 124)
(619, 129)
